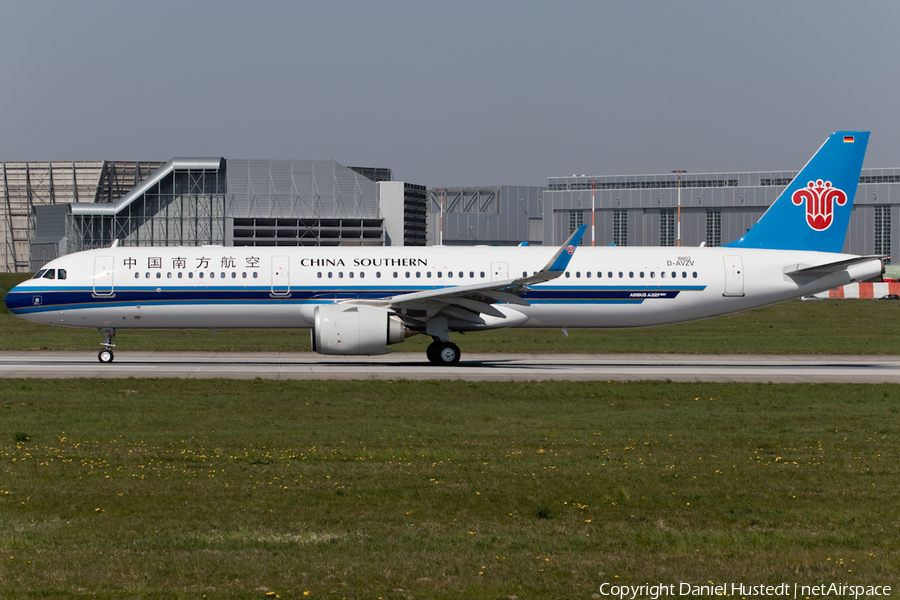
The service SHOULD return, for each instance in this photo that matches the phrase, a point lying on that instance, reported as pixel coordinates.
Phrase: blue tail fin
(812, 213)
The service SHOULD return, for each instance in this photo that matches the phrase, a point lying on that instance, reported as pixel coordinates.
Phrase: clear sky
(452, 93)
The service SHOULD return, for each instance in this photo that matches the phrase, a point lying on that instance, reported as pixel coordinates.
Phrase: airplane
(360, 300)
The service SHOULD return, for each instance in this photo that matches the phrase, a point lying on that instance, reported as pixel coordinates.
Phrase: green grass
(235, 489)
(824, 327)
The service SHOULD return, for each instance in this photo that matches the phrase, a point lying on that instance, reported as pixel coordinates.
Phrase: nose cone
(19, 298)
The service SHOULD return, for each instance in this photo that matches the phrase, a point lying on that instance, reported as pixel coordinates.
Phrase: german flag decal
(848, 139)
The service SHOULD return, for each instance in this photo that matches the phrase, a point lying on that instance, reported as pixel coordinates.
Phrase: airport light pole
(593, 210)
(679, 172)
(441, 221)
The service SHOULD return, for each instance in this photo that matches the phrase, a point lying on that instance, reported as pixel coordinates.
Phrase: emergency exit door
(499, 271)
(281, 276)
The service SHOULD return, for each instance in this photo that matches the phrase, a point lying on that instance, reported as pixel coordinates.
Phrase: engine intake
(355, 329)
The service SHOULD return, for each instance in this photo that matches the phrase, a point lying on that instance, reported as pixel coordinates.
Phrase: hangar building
(642, 210)
(54, 208)
(51, 209)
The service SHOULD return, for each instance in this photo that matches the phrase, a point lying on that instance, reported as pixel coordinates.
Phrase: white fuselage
(279, 287)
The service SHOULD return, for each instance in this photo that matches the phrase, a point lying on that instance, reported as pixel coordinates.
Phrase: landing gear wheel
(432, 352)
(447, 354)
(106, 355)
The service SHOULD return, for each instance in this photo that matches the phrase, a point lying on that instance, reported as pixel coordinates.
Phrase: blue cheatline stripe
(51, 299)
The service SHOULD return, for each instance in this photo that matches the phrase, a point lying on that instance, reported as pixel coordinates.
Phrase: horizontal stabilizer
(828, 268)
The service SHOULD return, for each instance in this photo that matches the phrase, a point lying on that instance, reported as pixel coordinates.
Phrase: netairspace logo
(782, 590)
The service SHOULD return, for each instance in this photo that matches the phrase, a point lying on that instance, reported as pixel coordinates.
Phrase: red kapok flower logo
(820, 198)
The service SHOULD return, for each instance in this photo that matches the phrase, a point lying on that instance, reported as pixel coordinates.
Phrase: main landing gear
(106, 355)
(442, 354)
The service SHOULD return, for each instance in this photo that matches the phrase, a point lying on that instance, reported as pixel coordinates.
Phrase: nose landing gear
(106, 355)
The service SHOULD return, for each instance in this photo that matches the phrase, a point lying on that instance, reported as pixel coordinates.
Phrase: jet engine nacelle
(355, 329)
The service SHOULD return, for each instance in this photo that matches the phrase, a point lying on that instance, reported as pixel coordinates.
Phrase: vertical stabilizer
(812, 213)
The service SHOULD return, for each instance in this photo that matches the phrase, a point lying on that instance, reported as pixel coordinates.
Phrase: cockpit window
(39, 274)
(61, 274)
(50, 274)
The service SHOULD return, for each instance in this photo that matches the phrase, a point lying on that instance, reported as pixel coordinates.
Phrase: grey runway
(473, 367)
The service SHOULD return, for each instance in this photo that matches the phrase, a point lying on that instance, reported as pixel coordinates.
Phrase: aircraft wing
(468, 302)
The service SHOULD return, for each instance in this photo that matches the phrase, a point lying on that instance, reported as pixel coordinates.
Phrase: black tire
(448, 354)
(432, 352)
(105, 356)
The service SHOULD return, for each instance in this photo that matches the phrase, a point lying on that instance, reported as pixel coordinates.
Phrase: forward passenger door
(103, 276)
